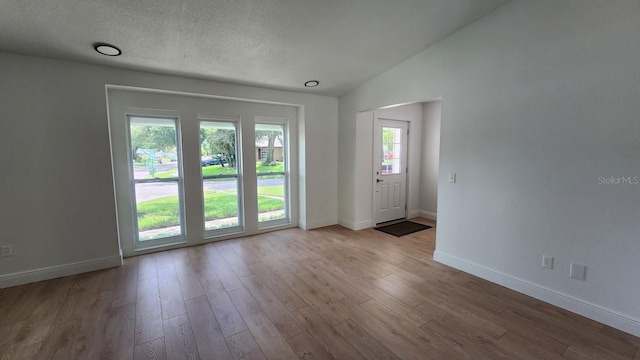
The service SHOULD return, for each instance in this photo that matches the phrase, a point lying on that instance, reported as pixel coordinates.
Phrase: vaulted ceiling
(270, 43)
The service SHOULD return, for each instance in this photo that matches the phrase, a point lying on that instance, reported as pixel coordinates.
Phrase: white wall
(539, 100)
(56, 188)
(430, 153)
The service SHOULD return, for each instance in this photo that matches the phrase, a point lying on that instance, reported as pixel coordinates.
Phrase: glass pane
(153, 146)
(158, 210)
(220, 203)
(391, 150)
(218, 148)
(271, 200)
(269, 148)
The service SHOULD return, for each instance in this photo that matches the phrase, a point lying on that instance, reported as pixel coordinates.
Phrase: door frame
(375, 173)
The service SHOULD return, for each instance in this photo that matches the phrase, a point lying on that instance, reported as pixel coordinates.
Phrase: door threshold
(390, 222)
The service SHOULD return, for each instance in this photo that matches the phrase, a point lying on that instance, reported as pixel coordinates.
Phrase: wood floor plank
(189, 281)
(311, 296)
(89, 342)
(335, 281)
(148, 311)
(456, 342)
(321, 284)
(199, 261)
(207, 333)
(151, 350)
(8, 334)
(126, 283)
(249, 250)
(75, 305)
(364, 342)
(324, 293)
(527, 348)
(279, 288)
(243, 346)
(482, 339)
(575, 353)
(591, 340)
(273, 345)
(43, 314)
(223, 308)
(326, 335)
(171, 300)
(619, 335)
(420, 339)
(227, 276)
(385, 334)
(279, 315)
(147, 267)
(120, 334)
(57, 345)
(240, 267)
(415, 315)
(178, 339)
(308, 348)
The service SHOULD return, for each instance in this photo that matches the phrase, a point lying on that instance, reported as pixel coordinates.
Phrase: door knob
(379, 180)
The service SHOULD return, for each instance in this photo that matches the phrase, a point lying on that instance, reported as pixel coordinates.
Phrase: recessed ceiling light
(312, 83)
(107, 49)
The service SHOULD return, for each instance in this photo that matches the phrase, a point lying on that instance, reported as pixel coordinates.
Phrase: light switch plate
(578, 271)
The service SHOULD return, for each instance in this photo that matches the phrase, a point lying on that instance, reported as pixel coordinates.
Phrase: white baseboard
(52, 272)
(356, 225)
(592, 311)
(425, 214)
(428, 215)
(314, 224)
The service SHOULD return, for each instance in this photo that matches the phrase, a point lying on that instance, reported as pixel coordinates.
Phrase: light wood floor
(320, 294)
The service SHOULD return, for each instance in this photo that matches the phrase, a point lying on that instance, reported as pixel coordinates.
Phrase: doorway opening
(390, 165)
(405, 144)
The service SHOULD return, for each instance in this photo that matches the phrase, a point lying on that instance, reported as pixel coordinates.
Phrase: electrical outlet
(7, 251)
(547, 261)
(578, 271)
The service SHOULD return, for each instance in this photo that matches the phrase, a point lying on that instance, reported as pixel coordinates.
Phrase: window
(156, 181)
(220, 182)
(183, 175)
(391, 150)
(272, 172)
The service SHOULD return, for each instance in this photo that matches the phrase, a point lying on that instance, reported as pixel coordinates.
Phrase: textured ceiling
(270, 43)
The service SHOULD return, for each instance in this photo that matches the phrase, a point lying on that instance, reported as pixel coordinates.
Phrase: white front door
(390, 169)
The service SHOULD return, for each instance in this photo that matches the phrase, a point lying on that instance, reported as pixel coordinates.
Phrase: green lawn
(219, 170)
(271, 190)
(262, 168)
(164, 212)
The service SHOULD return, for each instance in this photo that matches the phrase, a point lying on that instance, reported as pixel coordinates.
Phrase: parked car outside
(215, 161)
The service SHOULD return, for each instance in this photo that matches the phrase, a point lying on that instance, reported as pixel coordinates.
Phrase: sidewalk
(210, 225)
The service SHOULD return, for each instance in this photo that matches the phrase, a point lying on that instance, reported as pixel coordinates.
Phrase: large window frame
(188, 110)
(285, 173)
(168, 240)
(236, 123)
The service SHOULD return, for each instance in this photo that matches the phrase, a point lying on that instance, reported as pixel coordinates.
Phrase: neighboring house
(262, 147)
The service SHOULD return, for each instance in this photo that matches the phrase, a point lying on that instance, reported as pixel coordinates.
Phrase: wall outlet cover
(547, 262)
(6, 251)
